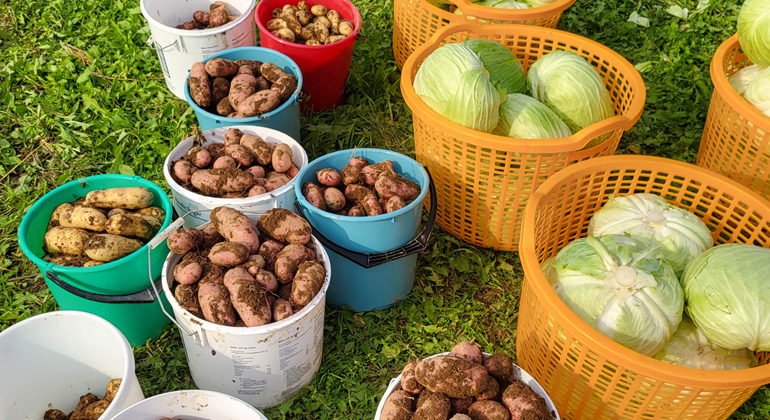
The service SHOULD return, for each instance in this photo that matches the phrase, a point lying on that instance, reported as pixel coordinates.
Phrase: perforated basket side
(736, 136)
(588, 375)
(483, 181)
(415, 21)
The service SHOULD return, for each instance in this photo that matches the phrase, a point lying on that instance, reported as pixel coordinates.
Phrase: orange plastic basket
(736, 138)
(483, 180)
(588, 375)
(415, 21)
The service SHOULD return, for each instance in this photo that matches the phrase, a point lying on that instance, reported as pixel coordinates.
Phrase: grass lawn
(82, 94)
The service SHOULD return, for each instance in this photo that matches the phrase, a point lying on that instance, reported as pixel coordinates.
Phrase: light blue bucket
(373, 258)
(285, 118)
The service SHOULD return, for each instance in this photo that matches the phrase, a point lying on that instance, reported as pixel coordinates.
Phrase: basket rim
(469, 8)
(509, 144)
(583, 332)
(725, 89)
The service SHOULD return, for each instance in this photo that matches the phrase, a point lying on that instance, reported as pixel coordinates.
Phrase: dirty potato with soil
(216, 16)
(101, 227)
(316, 25)
(361, 189)
(234, 279)
(248, 166)
(240, 88)
(464, 385)
(89, 407)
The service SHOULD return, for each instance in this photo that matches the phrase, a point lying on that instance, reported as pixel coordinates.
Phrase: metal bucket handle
(369, 260)
(154, 243)
(142, 296)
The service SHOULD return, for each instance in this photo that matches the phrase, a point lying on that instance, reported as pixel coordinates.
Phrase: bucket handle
(154, 243)
(303, 96)
(360, 37)
(369, 260)
(142, 296)
(154, 45)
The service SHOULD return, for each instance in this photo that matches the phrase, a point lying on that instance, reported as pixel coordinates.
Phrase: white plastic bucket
(52, 359)
(264, 365)
(518, 373)
(191, 404)
(186, 201)
(178, 49)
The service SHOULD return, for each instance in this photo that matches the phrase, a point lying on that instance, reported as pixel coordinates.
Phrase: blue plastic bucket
(119, 291)
(373, 258)
(285, 118)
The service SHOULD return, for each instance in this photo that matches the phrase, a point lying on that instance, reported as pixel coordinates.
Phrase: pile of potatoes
(463, 386)
(90, 407)
(244, 165)
(231, 276)
(216, 16)
(316, 25)
(101, 227)
(240, 88)
(369, 189)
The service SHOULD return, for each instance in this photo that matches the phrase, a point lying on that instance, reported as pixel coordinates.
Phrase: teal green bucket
(120, 291)
(373, 258)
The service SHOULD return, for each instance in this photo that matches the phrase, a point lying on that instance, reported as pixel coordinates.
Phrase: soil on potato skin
(187, 297)
(275, 220)
(522, 394)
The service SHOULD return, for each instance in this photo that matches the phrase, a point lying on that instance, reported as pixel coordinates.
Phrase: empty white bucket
(178, 49)
(186, 201)
(263, 366)
(52, 359)
(191, 404)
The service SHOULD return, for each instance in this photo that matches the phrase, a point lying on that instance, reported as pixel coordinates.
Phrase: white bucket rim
(196, 33)
(524, 376)
(193, 392)
(274, 326)
(129, 365)
(219, 201)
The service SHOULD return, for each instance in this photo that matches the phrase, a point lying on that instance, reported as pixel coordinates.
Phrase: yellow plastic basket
(415, 21)
(588, 375)
(736, 138)
(483, 181)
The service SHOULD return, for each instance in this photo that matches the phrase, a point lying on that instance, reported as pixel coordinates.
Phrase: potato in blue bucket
(284, 118)
(373, 258)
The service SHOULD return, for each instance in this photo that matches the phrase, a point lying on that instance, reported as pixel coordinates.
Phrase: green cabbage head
(688, 347)
(728, 296)
(680, 233)
(453, 82)
(571, 87)
(539, 3)
(758, 92)
(754, 31)
(620, 287)
(740, 79)
(524, 117)
(505, 70)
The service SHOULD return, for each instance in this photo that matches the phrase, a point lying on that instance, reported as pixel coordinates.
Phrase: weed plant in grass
(82, 94)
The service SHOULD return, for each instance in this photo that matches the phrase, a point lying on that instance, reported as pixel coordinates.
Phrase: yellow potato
(106, 247)
(64, 240)
(134, 225)
(83, 217)
(122, 198)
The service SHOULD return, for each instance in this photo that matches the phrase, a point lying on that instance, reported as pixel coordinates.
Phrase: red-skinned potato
(269, 250)
(235, 226)
(228, 254)
(217, 182)
(398, 406)
(232, 136)
(248, 298)
(432, 405)
(408, 381)
(334, 199)
(307, 282)
(488, 410)
(282, 309)
(223, 162)
(453, 376)
(287, 262)
(282, 155)
(285, 225)
(215, 303)
(314, 195)
(187, 272)
(328, 177)
(469, 351)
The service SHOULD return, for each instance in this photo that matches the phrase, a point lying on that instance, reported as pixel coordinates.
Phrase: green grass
(81, 94)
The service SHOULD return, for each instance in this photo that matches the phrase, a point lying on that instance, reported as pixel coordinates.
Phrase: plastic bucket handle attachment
(369, 260)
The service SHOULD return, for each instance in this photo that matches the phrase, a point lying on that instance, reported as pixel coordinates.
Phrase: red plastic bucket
(324, 67)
